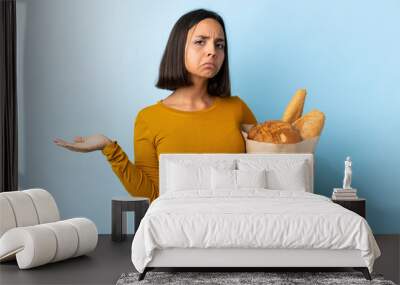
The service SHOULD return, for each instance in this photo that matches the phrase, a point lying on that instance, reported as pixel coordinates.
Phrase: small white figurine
(347, 174)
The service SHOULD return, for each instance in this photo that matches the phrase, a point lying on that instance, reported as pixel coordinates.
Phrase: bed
(247, 210)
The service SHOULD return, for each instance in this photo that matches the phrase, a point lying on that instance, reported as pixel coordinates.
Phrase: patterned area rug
(230, 278)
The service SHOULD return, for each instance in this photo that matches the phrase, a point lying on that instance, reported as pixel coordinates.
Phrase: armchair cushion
(31, 231)
(27, 208)
(40, 244)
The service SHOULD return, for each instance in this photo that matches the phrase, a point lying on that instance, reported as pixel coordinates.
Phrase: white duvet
(251, 218)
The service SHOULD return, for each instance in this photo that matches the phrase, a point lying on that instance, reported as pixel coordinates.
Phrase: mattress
(250, 219)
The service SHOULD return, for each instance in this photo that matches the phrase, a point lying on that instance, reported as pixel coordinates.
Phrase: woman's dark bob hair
(173, 73)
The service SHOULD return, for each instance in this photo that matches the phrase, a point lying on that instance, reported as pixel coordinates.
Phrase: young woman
(199, 116)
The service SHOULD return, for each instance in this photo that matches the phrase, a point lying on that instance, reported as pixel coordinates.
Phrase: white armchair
(31, 231)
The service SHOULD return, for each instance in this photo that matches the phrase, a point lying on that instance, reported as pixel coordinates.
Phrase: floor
(111, 259)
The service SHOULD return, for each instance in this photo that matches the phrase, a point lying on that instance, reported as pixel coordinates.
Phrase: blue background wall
(87, 67)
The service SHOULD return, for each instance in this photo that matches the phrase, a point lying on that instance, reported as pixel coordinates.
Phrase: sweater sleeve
(247, 115)
(139, 178)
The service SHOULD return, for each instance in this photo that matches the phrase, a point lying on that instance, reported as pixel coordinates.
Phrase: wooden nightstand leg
(118, 222)
(124, 229)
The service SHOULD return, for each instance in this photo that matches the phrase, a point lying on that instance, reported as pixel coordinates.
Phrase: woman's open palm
(85, 144)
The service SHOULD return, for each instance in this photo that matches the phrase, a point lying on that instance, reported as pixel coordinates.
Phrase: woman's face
(205, 49)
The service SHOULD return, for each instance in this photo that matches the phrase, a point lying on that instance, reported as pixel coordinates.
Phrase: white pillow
(188, 175)
(281, 174)
(223, 179)
(251, 178)
(236, 179)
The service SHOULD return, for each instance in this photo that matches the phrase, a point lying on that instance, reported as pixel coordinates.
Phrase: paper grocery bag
(252, 146)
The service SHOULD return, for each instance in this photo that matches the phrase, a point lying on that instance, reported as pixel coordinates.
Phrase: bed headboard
(164, 158)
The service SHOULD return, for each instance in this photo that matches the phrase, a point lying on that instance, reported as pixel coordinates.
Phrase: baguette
(294, 109)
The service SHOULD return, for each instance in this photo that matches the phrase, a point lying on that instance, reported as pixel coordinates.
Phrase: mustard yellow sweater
(162, 129)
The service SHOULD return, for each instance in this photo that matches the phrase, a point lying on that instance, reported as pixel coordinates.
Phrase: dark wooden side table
(119, 207)
(356, 205)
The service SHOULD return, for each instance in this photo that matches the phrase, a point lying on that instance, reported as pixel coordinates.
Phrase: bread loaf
(276, 132)
(311, 124)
